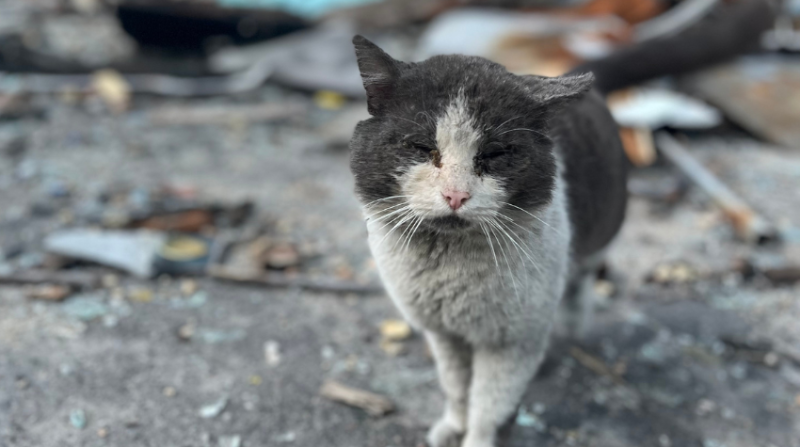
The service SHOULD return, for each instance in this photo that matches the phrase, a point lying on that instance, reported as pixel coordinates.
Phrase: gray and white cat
(488, 198)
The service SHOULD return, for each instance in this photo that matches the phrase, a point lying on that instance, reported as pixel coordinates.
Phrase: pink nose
(455, 198)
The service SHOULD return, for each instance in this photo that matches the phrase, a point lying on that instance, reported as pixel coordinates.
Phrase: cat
(488, 197)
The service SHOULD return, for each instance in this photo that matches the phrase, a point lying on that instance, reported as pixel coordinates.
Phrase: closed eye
(419, 146)
(494, 154)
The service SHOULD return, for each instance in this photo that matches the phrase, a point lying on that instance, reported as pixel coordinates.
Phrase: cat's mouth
(448, 223)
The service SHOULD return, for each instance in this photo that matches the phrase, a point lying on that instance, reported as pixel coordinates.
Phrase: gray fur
(483, 282)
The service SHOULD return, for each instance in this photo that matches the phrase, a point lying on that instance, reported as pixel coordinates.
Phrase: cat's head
(455, 140)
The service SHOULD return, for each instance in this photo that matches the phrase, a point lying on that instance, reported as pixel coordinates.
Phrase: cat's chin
(448, 224)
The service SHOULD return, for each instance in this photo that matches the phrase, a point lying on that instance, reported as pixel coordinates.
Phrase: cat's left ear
(379, 72)
(558, 92)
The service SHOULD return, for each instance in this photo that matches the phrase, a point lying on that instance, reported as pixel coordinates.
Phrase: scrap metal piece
(748, 224)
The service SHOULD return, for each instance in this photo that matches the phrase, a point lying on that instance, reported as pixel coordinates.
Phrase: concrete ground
(707, 361)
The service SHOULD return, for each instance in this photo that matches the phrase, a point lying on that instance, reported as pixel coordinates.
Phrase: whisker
(509, 268)
(532, 215)
(385, 199)
(410, 121)
(525, 130)
(520, 249)
(406, 217)
(385, 216)
(506, 122)
(416, 228)
(401, 239)
(491, 246)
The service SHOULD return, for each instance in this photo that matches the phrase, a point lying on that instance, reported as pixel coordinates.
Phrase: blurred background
(183, 261)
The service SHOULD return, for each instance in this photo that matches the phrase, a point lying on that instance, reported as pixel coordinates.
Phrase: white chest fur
(478, 284)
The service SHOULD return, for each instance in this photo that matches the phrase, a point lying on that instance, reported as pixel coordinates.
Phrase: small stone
(281, 256)
(526, 419)
(771, 359)
(664, 441)
(213, 410)
(604, 288)
(344, 272)
(255, 380)
(188, 287)
(110, 281)
(328, 353)
(728, 413)
(22, 384)
(329, 100)
(48, 293)
(117, 294)
(272, 353)
(393, 348)
(85, 308)
(65, 369)
(141, 295)
(539, 408)
(286, 437)
(705, 407)
(395, 330)
(110, 321)
(186, 332)
(78, 419)
(230, 441)
(170, 391)
(102, 432)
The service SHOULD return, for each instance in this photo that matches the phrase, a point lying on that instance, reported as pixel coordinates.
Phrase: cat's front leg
(499, 379)
(453, 362)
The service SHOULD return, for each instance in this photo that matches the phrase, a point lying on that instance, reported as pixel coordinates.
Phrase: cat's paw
(444, 434)
(478, 441)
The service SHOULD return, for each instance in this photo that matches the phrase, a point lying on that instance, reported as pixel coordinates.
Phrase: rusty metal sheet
(760, 93)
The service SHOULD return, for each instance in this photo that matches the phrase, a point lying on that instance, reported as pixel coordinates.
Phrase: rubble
(213, 410)
(374, 404)
(748, 224)
(133, 252)
(250, 195)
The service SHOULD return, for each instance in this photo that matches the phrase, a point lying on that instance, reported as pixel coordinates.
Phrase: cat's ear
(555, 93)
(379, 72)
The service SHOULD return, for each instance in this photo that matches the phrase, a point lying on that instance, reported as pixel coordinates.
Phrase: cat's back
(595, 172)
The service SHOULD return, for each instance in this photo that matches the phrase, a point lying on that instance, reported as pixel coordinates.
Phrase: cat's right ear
(379, 72)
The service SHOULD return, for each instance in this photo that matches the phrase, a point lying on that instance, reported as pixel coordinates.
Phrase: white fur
(485, 303)
(457, 139)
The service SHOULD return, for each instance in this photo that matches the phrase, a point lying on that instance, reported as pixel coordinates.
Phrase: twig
(74, 279)
(594, 364)
(194, 115)
(374, 404)
(157, 84)
(746, 222)
(270, 280)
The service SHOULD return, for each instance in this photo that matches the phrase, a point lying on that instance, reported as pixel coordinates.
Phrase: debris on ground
(228, 144)
(749, 225)
(230, 441)
(132, 252)
(77, 418)
(49, 292)
(757, 92)
(658, 108)
(281, 280)
(213, 410)
(395, 330)
(113, 89)
(374, 404)
(272, 353)
(76, 280)
(194, 115)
